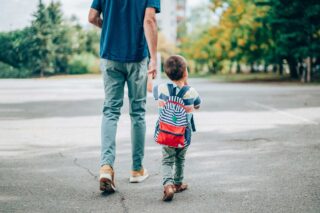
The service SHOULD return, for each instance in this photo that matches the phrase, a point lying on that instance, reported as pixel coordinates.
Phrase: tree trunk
(293, 69)
(238, 67)
(196, 68)
(301, 68)
(274, 68)
(230, 67)
(280, 69)
(252, 69)
(213, 68)
(309, 69)
(265, 70)
(41, 73)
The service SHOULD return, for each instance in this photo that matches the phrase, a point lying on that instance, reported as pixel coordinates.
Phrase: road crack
(75, 162)
(123, 204)
(122, 197)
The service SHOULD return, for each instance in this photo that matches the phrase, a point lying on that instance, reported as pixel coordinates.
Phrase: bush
(7, 71)
(83, 63)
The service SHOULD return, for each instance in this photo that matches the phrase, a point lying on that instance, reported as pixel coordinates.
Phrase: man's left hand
(152, 68)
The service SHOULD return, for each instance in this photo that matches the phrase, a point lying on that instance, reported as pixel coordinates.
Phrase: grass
(260, 77)
(75, 76)
(230, 78)
(255, 77)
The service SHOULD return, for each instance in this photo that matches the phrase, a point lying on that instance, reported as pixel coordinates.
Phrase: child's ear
(186, 73)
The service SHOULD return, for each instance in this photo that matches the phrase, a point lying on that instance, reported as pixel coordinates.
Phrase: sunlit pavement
(257, 149)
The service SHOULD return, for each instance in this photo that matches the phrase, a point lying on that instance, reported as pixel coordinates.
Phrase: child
(176, 102)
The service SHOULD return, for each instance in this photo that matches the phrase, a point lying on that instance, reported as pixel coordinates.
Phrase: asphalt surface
(257, 149)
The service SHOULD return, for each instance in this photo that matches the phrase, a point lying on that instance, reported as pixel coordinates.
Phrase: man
(128, 37)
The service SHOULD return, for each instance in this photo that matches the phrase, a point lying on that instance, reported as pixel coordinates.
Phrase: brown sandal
(180, 187)
(168, 192)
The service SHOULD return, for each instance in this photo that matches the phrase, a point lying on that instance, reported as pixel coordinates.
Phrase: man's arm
(151, 33)
(95, 18)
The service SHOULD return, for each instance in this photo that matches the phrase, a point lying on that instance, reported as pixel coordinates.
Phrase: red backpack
(172, 127)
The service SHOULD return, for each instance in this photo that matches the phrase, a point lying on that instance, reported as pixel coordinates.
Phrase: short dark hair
(175, 67)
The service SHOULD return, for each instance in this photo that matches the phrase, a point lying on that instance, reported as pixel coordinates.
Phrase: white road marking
(305, 120)
(11, 110)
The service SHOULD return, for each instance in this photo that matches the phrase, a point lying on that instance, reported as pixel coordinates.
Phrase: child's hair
(175, 67)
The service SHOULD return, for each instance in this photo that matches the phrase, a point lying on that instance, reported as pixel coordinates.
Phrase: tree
(237, 37)
(42, 45)
(296, 32)
(14, 48)
(60, 38)
(250, 34)
(49, 45)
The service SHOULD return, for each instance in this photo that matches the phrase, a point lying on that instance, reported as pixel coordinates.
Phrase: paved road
(257, 149)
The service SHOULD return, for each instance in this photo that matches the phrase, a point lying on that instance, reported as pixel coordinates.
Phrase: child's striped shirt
(191, 99)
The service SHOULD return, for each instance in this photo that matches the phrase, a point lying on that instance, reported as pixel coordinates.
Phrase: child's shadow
(107, 194)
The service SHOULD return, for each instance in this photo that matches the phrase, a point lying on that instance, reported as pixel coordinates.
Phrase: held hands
(152, 68)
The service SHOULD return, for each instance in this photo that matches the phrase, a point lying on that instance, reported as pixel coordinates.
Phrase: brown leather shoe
(180, 187)
(168, 192)
(107, 179)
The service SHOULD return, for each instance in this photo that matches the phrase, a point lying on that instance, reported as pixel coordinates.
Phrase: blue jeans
(115, 75)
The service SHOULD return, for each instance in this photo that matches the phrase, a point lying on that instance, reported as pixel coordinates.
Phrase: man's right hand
(152, 68)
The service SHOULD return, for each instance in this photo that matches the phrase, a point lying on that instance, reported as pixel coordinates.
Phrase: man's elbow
(91, 18)
(93, 15)
(150, 21)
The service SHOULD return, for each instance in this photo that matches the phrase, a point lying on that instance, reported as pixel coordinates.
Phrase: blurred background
(233, 40)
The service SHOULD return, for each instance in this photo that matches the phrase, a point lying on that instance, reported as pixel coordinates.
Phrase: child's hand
(152, 74)
(152, 68)
(149, 84)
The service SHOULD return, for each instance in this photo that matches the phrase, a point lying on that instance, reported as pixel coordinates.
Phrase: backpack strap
(183, 91)
(172, 91)
(193, 125)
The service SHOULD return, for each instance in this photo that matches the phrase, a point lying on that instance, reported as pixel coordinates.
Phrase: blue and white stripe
(171, 110)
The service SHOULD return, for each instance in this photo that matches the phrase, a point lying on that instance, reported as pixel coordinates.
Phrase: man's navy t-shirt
(122, 36)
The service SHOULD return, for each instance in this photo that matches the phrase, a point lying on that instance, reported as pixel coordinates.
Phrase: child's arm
(150, 83)
(197, 101)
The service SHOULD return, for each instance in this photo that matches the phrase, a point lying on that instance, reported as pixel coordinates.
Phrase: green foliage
(78, 66)
(48, 46)
(8, 71)
(251, 33)
(60, 38)
(14, 48)
(295, 31)
(83, 63)
(236, 38)
(42, 48)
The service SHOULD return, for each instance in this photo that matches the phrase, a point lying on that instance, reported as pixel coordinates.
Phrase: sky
(16, 14)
